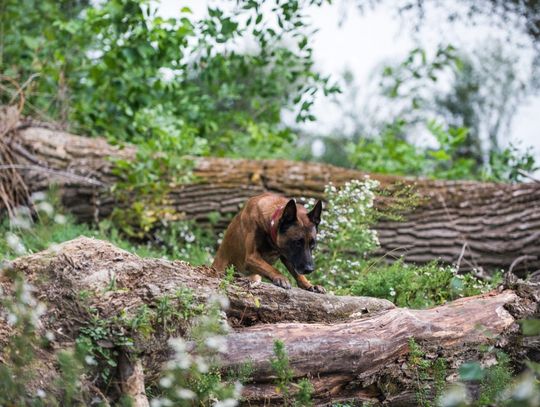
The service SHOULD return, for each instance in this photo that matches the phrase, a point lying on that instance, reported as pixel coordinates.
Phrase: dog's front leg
(302, 280)
(256, 265)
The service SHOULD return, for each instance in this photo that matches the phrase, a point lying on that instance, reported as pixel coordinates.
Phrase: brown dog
(267, 228)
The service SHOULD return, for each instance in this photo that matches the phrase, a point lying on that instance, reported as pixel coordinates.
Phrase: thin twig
(529, 176)
(458, 264)
(521, 259)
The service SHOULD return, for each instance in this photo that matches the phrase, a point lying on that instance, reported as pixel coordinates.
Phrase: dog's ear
(288, 216)
(315, 214)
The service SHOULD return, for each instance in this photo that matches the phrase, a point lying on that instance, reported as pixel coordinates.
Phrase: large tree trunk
(351, 348)
(478, 225)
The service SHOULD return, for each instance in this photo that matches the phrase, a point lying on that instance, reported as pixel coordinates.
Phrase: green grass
(178, 241)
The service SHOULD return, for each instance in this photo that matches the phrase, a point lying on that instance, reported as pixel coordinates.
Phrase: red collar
(274, 224)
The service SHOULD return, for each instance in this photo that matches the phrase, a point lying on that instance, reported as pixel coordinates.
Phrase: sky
(361, 42)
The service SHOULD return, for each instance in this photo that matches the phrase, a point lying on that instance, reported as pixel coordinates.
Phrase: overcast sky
(360, 42)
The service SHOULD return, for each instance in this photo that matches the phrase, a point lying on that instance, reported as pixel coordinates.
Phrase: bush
(418, 286)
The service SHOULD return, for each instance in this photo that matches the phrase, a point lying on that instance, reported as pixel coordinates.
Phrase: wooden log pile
(478, 225)
(352, 349)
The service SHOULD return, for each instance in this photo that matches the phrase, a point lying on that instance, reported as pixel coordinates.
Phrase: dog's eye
(299, 242)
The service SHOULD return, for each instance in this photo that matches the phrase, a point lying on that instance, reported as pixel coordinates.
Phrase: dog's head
(297, 235)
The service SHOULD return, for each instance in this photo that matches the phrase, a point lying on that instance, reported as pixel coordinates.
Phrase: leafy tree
(118, 69)
(484, 97)
(524, 15)
(466, 122)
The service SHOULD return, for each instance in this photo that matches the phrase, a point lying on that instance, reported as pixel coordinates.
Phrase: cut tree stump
(352, 349)
(478, 225)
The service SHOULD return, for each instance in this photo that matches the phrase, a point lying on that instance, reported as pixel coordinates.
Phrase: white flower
(45, 207)
(165, 382)
(220, 300)
(161, 402)
(37, 196)
(22, 222)
(60, 219)
(12, 319)
(89, 360)
(216, 342)
(40, 393)
(186, 394)
(226, 403)
(201, 364)
(456, 395)
(49, 336)
(238, 387)
(15, 243)
(178, 344)
(181, 360)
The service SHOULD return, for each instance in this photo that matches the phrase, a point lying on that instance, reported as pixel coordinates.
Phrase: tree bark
(477, 225)
(351, 348)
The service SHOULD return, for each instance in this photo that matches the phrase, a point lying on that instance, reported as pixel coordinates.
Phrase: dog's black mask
(299, 239)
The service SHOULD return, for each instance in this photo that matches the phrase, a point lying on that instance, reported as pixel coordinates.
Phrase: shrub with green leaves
(497, 386)
(44, 224)
(415, 286)
(192, 376)
(117, 68)
(346, 237)
(21, 310)
(467, 139)
(284, 379)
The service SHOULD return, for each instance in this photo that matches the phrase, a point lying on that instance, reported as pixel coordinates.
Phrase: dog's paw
(282, 282)
(317, 289)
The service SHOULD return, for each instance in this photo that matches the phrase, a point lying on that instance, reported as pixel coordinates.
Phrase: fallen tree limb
(353, 349)
(484, 225)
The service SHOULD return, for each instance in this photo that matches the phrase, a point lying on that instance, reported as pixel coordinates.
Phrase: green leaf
(471, 371)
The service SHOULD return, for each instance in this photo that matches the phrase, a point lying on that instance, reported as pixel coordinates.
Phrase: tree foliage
(117, 68)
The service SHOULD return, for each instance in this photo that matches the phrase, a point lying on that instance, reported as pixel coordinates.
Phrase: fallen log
(352, 348)
(478, 225)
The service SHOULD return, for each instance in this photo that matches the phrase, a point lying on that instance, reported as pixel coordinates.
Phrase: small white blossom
(165, 382)
(161, 402)
(201, 364)
(89, 360)
(186, 394)
(15, 243)
(456, 395)
(216, 342)
(238, 387)
(60, 219)
(45, 207)
(178, 344)
(226, 403)
(220, 300)
(12, 319)
(38, 196)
